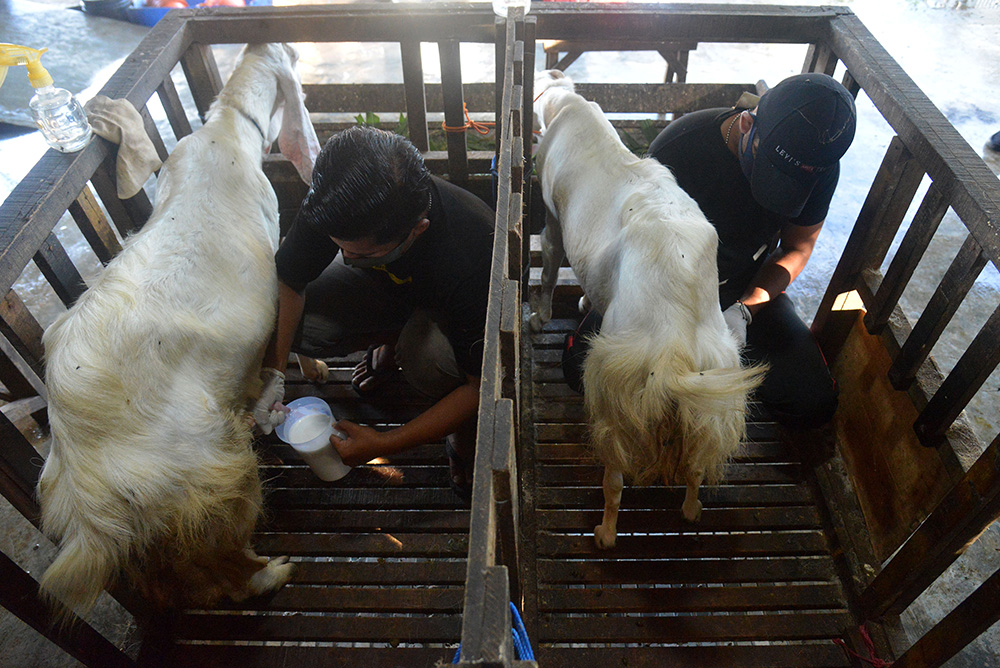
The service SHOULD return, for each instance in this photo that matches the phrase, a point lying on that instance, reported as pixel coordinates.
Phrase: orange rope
(482, 128)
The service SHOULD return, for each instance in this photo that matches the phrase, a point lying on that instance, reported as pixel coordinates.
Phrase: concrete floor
(97, 46)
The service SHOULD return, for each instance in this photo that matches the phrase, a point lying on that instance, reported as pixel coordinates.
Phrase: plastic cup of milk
(307, 428)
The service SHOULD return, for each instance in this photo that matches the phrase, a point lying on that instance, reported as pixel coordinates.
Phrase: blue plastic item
(522, 645)
(148, 16)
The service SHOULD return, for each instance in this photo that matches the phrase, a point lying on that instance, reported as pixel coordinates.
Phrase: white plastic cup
(307, 428)
(500, 7)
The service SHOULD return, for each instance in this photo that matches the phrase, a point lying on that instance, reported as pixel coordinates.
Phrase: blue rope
(522, 645)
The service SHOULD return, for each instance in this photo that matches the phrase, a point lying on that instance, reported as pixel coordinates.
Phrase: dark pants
(798, 390)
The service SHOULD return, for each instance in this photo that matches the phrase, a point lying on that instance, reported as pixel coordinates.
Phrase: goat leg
(606, 532)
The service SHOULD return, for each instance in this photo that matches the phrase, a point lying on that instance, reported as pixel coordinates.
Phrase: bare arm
(290, 307)
(364, 444)
(783, 266)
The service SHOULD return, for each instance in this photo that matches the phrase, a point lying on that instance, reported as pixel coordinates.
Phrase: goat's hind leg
(271, 575)
(552, 256)
(691, 509)
(606, 533)
(313, 370)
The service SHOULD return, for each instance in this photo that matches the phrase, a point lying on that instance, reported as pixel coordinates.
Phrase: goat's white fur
(151, 471)
(664, 387)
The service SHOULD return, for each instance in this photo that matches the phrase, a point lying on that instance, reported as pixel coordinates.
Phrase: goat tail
(85, 565)
(653, 414)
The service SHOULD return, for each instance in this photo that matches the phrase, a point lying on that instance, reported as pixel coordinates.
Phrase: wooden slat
(154, 134)
(258, 656)
(613, 570)
(385, 572)
(691, 545)
(688, 629)
(671, 497)
(961, 626)
(693, 599)
(19, 594)
(128, 215)
(326, 628)
(174, 108)
(904, 263)
(895, 184)
(94, 226)
(822, 654)
(397, 599)
(59, 270)
(20, 466)
(22, 331)
(423, 521)
(203, 76)
(363, 544)
(751, 452)
(712, 519)
(334, 497)
(970, 372)
(938, 312)
(414, 93)
(391, 477)
(581, 475)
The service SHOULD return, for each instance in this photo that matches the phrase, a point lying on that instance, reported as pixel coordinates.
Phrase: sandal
(462, 490)
(377, 375)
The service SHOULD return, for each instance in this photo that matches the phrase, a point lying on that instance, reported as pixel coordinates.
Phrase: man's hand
(737, 318)
(360, 444)
(267, 412)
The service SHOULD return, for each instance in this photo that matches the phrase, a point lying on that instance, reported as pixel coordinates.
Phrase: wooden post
(416, 98)
(454, 111)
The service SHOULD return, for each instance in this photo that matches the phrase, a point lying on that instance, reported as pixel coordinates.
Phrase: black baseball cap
(804, 125)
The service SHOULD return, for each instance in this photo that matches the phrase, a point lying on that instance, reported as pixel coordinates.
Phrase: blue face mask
(746, 155)
(380, 260)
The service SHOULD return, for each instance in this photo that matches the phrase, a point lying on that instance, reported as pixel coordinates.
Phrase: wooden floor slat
(228, 656)
(684, 570)
(350, 627)
(712, 519)
(825, 655)
(693, 628)
(698, 598)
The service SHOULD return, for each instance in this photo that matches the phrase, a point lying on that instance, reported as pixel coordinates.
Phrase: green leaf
(648, 130)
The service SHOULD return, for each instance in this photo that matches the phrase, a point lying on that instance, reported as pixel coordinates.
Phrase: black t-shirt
(446, 269)
(696, 152)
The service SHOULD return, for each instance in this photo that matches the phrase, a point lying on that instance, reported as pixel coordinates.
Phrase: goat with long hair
(664, 387)
(151, 474)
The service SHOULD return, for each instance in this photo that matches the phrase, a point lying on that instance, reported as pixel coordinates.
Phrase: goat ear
(296, 139)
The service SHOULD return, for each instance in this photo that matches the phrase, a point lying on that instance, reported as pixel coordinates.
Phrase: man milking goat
(385, 258)
(764, 176)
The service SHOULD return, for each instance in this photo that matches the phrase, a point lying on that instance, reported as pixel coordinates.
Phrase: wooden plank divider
(911, 250)
(94, 226)
(174, 108)
(942, 306)
(203, 76)
(59, 270)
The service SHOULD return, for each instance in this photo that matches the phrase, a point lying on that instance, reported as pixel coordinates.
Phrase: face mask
(746, 155)
(378, 261)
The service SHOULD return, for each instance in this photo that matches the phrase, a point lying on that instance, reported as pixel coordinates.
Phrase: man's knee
(426, 357)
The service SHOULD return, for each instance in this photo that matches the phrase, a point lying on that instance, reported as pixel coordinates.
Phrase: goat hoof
(536, 323)
(692, 513)
(584, 305)
(313, 370)
(605, 539)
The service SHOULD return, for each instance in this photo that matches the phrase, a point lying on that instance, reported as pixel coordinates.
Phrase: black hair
(367, 184)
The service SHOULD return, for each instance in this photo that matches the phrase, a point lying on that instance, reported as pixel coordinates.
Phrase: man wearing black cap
(764, 176)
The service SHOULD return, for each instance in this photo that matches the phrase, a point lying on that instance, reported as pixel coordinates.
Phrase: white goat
(664, 387)
(150, 374)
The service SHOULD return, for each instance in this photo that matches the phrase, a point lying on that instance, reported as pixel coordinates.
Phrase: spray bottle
(57, 112)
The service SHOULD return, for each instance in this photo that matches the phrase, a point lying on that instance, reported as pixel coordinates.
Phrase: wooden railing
(495, 536)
